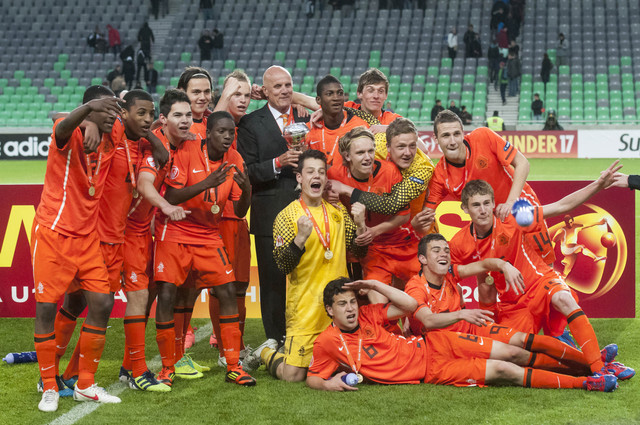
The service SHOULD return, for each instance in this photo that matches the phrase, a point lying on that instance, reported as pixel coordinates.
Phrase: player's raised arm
(107, 106)
(521, 170)
(401, 303)
(177, 196)
(148, 191)
(241, 177)
(569, 202)
(512, 275)
(632, 181)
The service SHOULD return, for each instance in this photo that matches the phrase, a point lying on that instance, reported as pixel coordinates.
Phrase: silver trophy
(296, 134)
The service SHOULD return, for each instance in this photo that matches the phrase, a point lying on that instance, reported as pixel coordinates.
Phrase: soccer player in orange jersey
(373, 89)
(441, 306)
(65, 245)
(547, 303)
(336, 120)
(357, 342)
(200, 182)
(392, 247)
(196, 83)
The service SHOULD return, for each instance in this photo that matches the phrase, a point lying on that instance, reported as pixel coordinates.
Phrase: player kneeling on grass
(357, 338)
(311, 238)
(204, 176)
(441, 306)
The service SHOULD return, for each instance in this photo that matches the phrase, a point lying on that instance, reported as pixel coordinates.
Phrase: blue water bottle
(350, 379)
(24, 357)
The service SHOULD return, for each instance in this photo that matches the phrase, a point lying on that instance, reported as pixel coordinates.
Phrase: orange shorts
(113, 258)
(494, 331)
(533, 311)
(137, 266)
(455, 358)
(58, 259)
(208, 264)
(383, 262)
(235, 236)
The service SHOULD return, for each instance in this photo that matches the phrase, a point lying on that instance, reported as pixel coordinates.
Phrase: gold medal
(135, 192)
(360, 378)
(328, 255)
(92, 191)
(489, 280)
(215, 208)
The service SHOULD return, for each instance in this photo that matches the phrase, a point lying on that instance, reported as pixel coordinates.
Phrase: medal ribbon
(213, 191)
(354, 366)
(325, 241)
(129, 163)
(493, 243)
(90, 171)
(324, 149)
(457, 190)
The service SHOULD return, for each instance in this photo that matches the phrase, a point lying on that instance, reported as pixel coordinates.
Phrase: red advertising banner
(594, 246)
(533, 144)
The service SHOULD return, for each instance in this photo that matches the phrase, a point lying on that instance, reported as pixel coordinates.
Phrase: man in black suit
(271, 170)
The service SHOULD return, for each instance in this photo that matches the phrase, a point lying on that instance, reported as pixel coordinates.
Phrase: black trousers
(273, 289)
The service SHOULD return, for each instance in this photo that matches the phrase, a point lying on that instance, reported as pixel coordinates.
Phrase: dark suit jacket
(259, 141)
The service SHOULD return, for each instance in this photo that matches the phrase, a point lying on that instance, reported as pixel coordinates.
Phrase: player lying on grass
(357, 339)
(548, 302)
(441, 306)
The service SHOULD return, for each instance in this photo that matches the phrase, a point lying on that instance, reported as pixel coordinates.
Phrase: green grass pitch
(211, 400)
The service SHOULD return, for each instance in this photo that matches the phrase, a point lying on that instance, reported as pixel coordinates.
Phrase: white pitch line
(83, 409)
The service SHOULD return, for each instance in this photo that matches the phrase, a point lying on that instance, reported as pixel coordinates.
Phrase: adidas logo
(160, 268)
(133, 277)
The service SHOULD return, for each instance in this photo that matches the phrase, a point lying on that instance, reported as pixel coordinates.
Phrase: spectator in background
(129, 71)
(436, 109)
(141, 61)
(503, 80)
(164, 7)
(503, 40)
(206, 6)
(205, 44)
(388, 107)
(115, 72)
(552, 122)
(537, 107)
(465, 116)
(97, 41)
(513, 27)
(452, 44)
(152, 78)
(514, 70)
(146, 39)
(545, 70)
(562, 51)
(495, 123)
(494, 57)
(310, 8)
(114, 40)
(476, 47)
(453, 108)
(218, 45)
(498, 15)
(468, 39)
(155, 8)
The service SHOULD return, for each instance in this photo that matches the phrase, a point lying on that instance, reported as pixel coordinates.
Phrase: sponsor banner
(609, 144)
(594, 248)
(533, 144)
(24, 145)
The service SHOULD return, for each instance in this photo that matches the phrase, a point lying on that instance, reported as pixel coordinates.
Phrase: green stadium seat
(63, 57)
(308, 79)
(295, 87)
(576, 79)
(353, 89)
(160, 89)
(446, 63)
(21, 90)
(96, 81)
(614, 69)
(469, 79)
(59, 66)
(65, 74)
(416, 96)
(433, 71)
(538, 87)
(158, 66)
(230, 64)
(25, 82)
(56, 90)
(625, 61)
(601, 78)
(385, 70)
(482, 71)
(413, 114)
(406, 87)
(4, 82)
(185, 57)
(346, 81)
(419, 79)
(335, 71)
(18, 75)
(306, 87)
(221, 80)
(394, 80)
(280, 56)
(401, 110)
(563, 70)
(552, 55)
(374, 54)
(301, 64)
(72, 82)
(173, 82)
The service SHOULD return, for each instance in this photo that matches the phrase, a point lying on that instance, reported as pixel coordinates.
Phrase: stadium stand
(47, 65)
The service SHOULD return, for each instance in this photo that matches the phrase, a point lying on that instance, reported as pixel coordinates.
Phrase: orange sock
(165, 337)
(91, 346)
(74, 362)
(242, 314)
(178, 318)
(543, 361)
(554, 348)
(46, 352)
(64, 326)
(134, 327)
(230, 336)
(214, 313)
(585, 338)
(536, 378)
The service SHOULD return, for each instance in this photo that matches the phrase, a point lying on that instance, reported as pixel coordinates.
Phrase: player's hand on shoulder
(337, 384)
(503, 210)
(301, 111)
(175, 212)
(257, 93)
(218, 176)
(476, 316)
(378, 128)
(316, 117)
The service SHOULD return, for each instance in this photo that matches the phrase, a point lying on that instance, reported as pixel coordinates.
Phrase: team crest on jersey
(503, 239)
(160, 268)
(416, 180)
(482, 162)
(279, 241)
(336, 217)
(506, 146)
(301, 352)
(40, 288)
(368, 332)
(151, 162)
(133, 277)
(174, 172)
